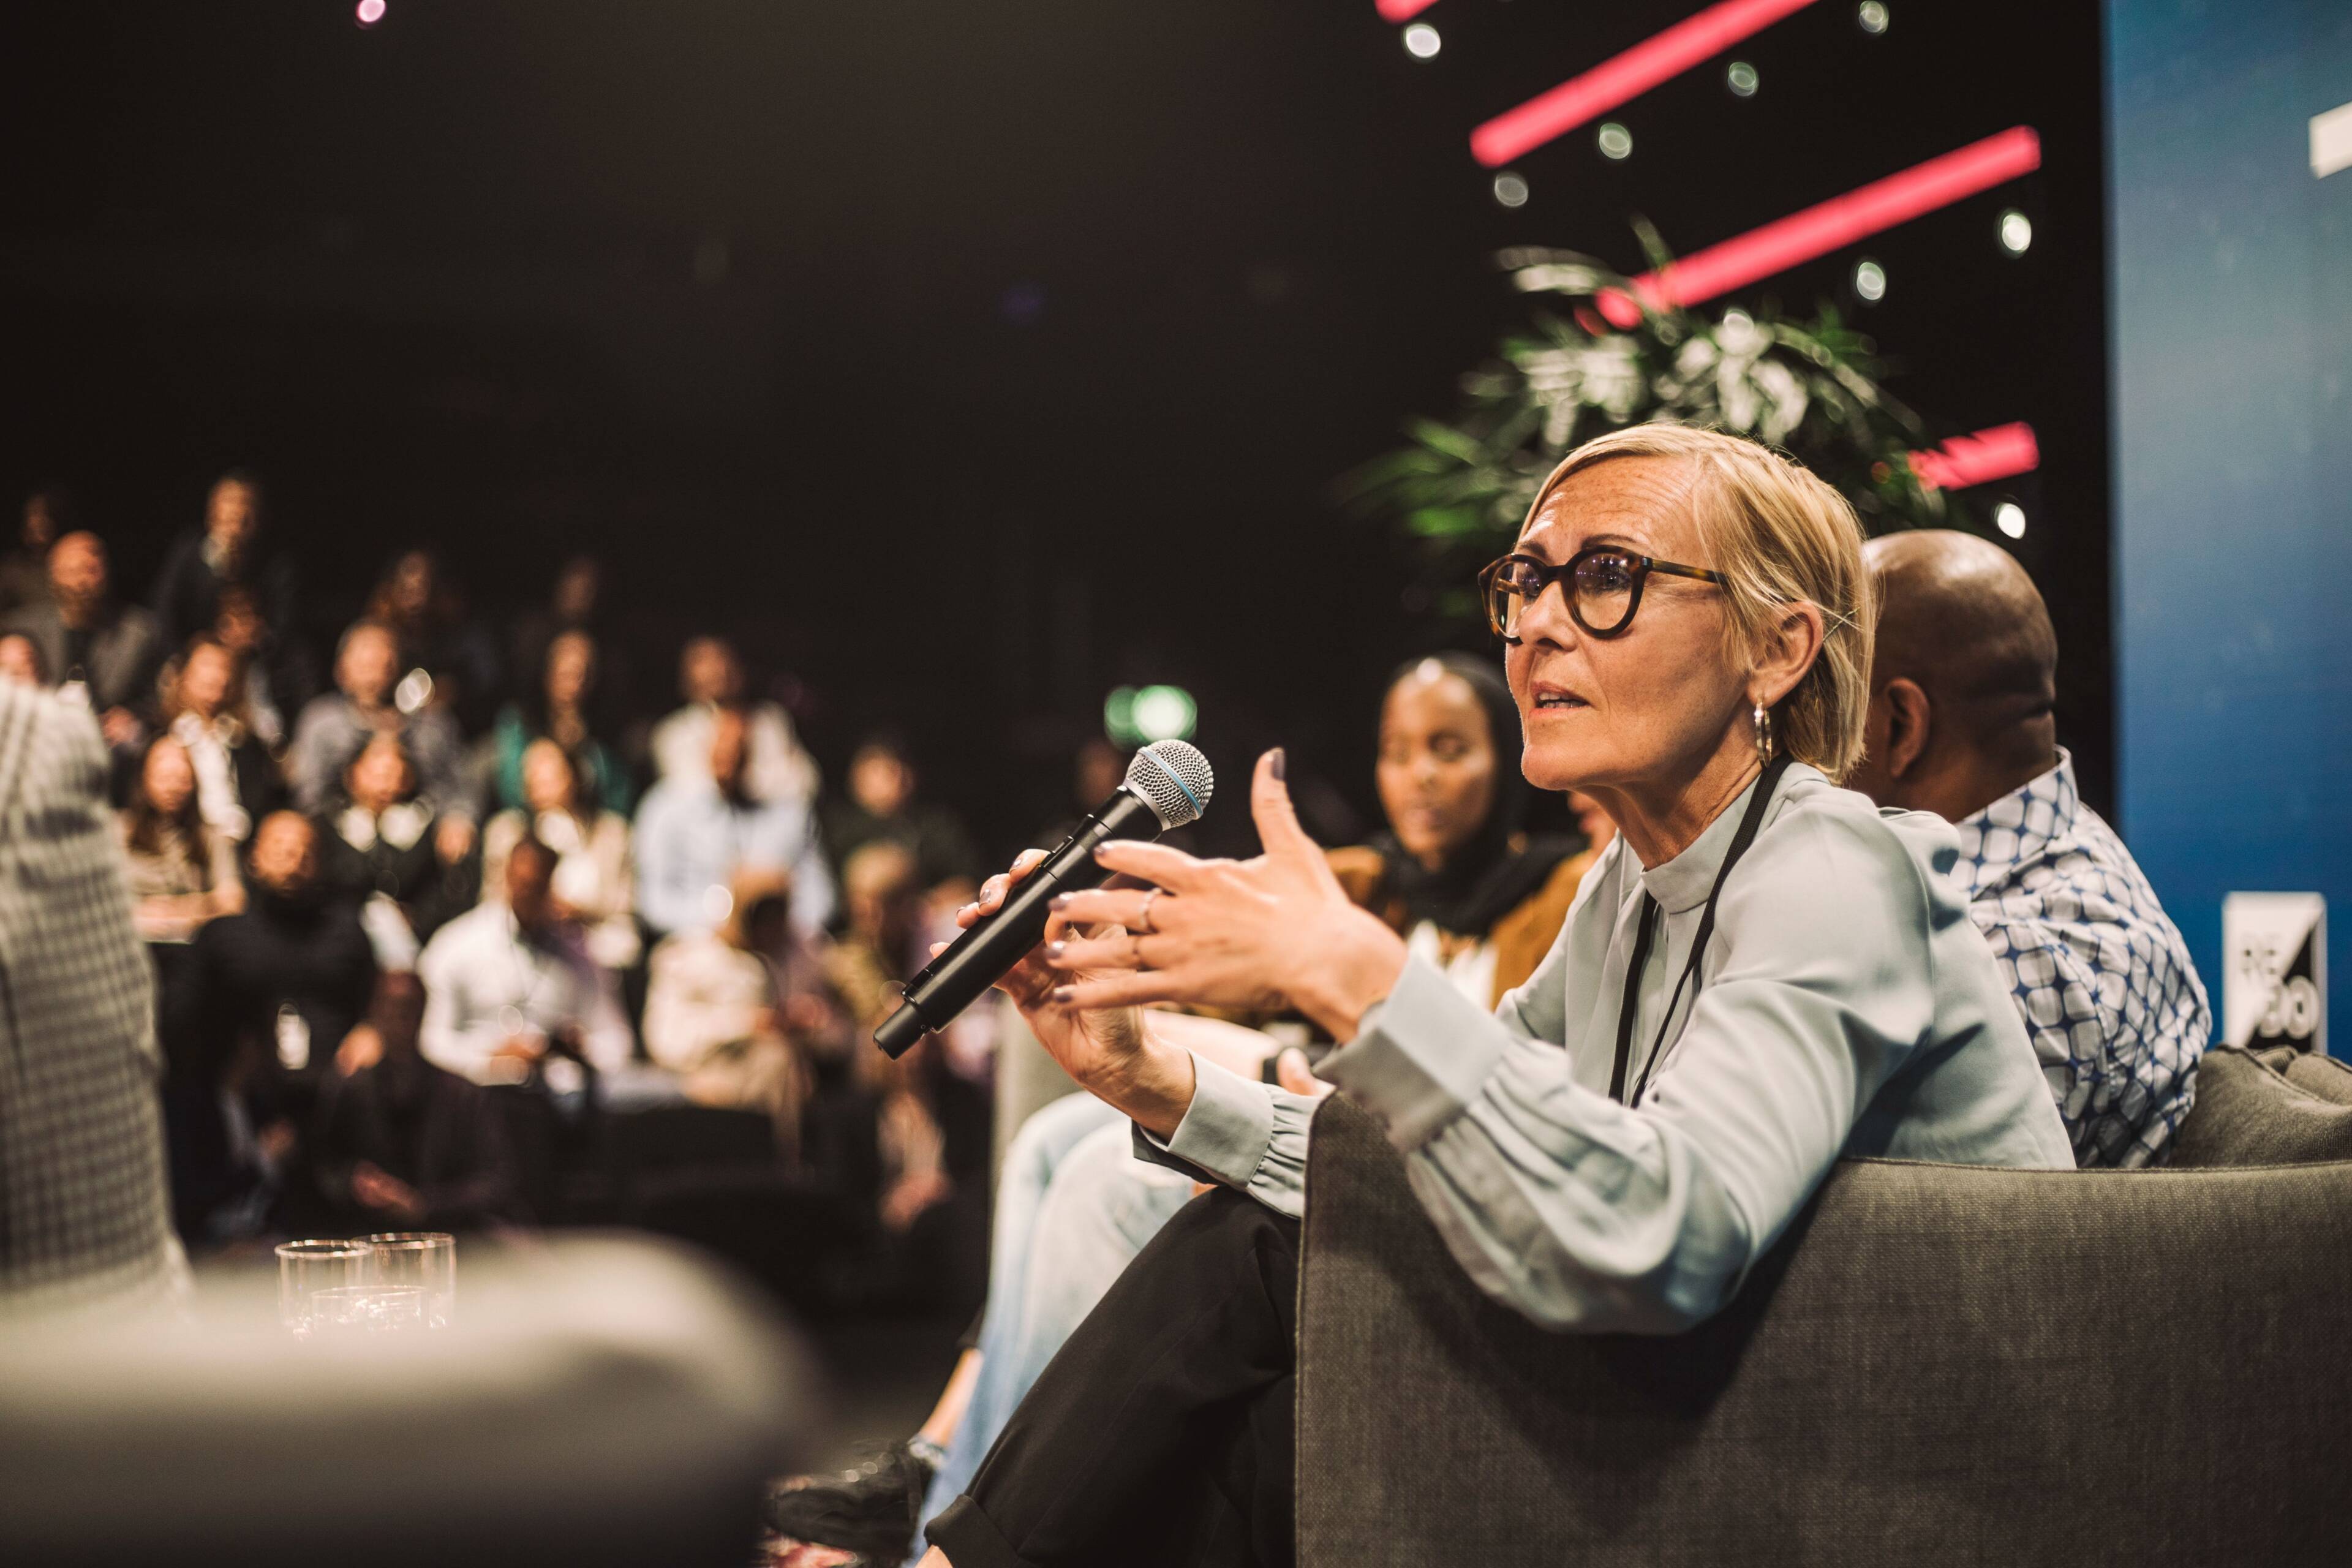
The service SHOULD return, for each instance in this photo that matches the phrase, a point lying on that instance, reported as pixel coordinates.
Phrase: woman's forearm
(1152, 1085)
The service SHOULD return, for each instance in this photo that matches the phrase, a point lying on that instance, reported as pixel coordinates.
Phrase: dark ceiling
(964, 359)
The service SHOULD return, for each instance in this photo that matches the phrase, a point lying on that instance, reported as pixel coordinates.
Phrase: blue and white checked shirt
(2109, 994)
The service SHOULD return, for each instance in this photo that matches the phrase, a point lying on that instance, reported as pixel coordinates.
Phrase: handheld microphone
(1167, 785)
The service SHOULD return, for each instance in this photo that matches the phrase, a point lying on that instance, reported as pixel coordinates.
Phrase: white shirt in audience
(486, 980)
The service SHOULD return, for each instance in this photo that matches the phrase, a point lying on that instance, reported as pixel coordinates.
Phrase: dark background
(965, 361)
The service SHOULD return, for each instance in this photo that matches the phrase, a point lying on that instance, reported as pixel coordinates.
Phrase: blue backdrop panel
(2233, 344)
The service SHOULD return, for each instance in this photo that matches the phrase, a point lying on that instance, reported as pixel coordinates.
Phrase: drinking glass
(348, 1310)
(307, 1267)
(425, 1259)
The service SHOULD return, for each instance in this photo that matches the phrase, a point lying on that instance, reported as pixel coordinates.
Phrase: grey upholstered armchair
(1939, 1365)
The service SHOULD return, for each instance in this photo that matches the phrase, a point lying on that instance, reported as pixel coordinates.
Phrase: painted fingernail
(1059, 902)
(1066, 995)
(1281, 760)
(1054, 951)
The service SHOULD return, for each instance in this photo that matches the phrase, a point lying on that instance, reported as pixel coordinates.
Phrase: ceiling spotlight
(1422, 42)
(1872, 15)
(2009, 518)
(1741, 80)
(1511, 189)
(1870, 282)
(370, 13)
(2016, 232)
(1615, 141)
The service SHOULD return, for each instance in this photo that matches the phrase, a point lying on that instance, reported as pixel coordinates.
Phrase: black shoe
(873, 1511)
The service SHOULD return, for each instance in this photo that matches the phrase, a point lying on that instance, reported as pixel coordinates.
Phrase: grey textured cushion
(2249, 1113)
(2323, 1076)
(1942, 1365)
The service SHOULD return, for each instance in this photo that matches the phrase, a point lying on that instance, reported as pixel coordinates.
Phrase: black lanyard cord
(1749, 823)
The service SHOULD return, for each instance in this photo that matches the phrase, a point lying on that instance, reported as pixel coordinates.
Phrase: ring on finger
(1143, 916)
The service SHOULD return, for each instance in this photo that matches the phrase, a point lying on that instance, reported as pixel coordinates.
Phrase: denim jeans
(1073, 1205)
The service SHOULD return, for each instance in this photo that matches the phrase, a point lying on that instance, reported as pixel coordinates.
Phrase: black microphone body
(979, 957)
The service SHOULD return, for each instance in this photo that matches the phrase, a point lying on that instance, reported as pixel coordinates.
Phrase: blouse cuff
(1420, 1057)
(1242, 1134)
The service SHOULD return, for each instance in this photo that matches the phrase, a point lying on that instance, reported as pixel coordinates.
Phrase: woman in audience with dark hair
(560, 708)
(181, 870)
(595, 882)
(377, 848)
(206, 710)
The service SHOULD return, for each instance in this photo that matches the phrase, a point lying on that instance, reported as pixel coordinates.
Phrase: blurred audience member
(97, 651)
(869, 967)
(181, 870)
(558, 710)
(738, 1011)
(419, 603)
(276, 676)
(237, 781)
(335, 726)
(401, 1144)
(81, 1148)
(378, 852)
(512, 990)
(696, 831)
(882, 808)
(575, 603)
(25, 567)
(594, 882)
(710, 677)
(226, 551)
(261, 998)
(20, 661)
(293, 969)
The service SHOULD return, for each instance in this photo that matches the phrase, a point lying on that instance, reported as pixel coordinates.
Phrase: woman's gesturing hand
(1106, 1050)
(1260, 934)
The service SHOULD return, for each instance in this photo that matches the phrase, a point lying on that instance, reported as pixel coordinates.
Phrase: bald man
(1962, 723)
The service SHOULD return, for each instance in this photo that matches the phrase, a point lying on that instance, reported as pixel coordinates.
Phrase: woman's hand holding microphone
(1262, 934)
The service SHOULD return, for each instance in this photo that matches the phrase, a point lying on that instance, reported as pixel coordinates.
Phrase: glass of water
(354, 1309)
(424, 1261)
(307, 1267)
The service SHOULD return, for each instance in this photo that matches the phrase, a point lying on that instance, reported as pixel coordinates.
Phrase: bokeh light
(2016, 232)
(1870, 281)
(1422, 42)
(1615, 141)
(1136, 718)
(1511, 189)
(370, 13)
(1872, 16)
(2009, 518)
(1741, 80)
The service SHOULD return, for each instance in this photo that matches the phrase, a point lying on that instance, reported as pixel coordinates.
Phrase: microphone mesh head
(1174, 779)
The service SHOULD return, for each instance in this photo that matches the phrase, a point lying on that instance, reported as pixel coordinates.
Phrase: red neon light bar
(1613, 82)
(1840, 221)
(2002, 452)
(1403, 10)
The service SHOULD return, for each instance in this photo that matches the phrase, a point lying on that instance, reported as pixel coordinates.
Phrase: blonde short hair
(1779, 535)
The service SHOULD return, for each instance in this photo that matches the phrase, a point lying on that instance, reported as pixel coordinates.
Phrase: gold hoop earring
(1763, 720)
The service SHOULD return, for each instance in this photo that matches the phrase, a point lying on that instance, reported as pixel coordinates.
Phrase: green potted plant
(1460, 487)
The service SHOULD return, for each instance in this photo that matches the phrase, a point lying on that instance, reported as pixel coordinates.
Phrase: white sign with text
(2274, 990)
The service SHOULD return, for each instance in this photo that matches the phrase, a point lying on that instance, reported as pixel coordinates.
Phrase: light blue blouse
(1848, 1006)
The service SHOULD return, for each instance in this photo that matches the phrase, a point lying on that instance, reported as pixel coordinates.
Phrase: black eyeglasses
(1604, 587)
